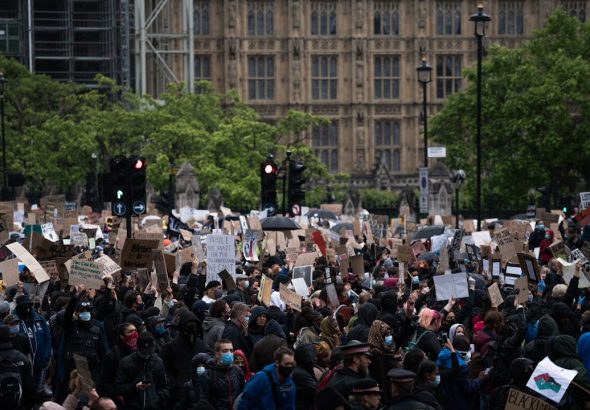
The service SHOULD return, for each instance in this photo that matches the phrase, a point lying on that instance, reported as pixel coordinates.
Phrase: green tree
(535, 122)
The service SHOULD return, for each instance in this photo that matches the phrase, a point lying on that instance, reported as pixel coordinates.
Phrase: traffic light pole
(285, 179)
(129, 226)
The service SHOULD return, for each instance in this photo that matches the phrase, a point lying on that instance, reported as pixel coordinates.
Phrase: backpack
(299, 338)
(414, 341)
(11, 389)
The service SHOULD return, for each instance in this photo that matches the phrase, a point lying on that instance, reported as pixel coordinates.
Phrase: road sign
(424, 190)
(271, 210)
(138, 207)
(119, 208)
(437, 152)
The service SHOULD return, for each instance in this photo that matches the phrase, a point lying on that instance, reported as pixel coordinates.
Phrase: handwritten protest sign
(451, 286)
(221, 254)
(30, 262)
(291, 299)
(495, 295)
(305, 259)
(49, 233)
(137, 253)
(50, 267)
(161, 272)
(518, 400)
(87, 273)
(505, 242)
(265, 290)
(109, 266)
(10, 273)
(79, 239)
(558, 249)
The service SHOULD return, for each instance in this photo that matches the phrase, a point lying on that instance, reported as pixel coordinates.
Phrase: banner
(550, 380)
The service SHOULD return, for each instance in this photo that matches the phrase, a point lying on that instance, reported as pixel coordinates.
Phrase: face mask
(218, 294)
(389, 340)
(285, 371)
(226, 359)
(247, 319)
(540, 227)
(436, 381)
(130, 340)
(24, 311)
(84, 316)
(170, 303)
(547, 237)
(200, 370)
(13, 330)
(160, 330)
(415, 280)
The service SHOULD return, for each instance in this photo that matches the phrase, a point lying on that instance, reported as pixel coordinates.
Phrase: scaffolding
(164, 44)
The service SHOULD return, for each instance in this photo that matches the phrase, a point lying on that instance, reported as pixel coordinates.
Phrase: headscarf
(246, 367)
(376, 340)
(329, 331)
(322, 352)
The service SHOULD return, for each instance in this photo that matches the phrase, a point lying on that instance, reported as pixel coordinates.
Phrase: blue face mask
(415, 280)
(160, 330)
(200, 370)
(246, 284)
(13, 330)
(389, 340)
(84, 316)
(436, 381)
(226, 359)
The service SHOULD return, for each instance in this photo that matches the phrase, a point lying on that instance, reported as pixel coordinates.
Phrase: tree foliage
(54, 128)
(535, 117)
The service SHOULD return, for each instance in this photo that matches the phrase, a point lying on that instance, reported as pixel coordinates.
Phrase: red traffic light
(139, 163)
(269, 169)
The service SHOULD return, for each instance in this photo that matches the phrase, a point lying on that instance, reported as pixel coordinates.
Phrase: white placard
(109, 266)
(448, 286)
(584, 200)
(437, 152)
(29, 261)
(550, 380)
(87, 273)
(300, 286)
(49, 233)
(221, 254)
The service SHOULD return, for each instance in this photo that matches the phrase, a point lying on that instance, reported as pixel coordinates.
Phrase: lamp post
(3, 84)
(480, 20)
(424, 77)
(457, 179)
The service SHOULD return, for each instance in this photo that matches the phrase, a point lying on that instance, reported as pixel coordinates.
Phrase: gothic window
(386, 18)
(510, 18)
(448, 75)
(448, 18)
(575, 9)
(260, 17)
(386, 77)
(387, 144)
(323, 18)
(201, 17)
(324, 77)
(324, 141)
(261, 78)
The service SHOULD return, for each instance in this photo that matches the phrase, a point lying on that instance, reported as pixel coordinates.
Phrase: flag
(550, 380)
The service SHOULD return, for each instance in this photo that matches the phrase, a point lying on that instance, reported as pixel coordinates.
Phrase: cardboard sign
(319, 241)
(358, 265)
(304, 272)
(229, 281)
(405, 254)
(49, 233)
(505, 242)
(332, 295)
(265, 290)
(137, 253)
(84, 374)
(513, 272)
(161, 271)
(530, 266)
(495, 295)
(30, 262)
(305, 259)
(254, 223)
(79, 239)
(451, 286)
(291, 299)
(521, 287)
(250, 245)
(87, 273)
(568, 269)
(443, 260)
(10, 274)
(585, 249)
(84, 256)
(221, 255)
(518, 400)
(558, 249)
(50, 267)
(300, 286)
(197, 247)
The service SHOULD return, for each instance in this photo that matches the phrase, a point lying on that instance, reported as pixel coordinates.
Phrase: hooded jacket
(263, 351)
(212, 330)
(536, 350)
(545, 253)
(134, 369)
(562, 352)
(258, 393)
(367, 314)
(177, 353)
(303, 377)
(255, 332)
(584, 350)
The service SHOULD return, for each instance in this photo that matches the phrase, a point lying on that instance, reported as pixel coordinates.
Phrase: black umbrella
(427, 256)
(279, 223)
(322, 214)
(428, 232)
(342, 225)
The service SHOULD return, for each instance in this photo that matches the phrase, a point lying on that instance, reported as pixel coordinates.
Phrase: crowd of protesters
(387, 343)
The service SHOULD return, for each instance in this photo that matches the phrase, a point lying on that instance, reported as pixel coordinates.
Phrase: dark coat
(263, 352)
(536, 350)
(303, 377)
(108, 371)
(234, 333)
(178, 353)
(26, 373)
(344, 379)
(134, 369)
(367, 314)
(563, 352)
(428, 342)
(221, 385)
(213, 328)
(415, 401)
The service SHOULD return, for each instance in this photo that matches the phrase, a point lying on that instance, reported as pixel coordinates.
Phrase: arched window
(385, 22)
(197, 22)
(260, 23)
(395, 22)
(332, 23)
(377, 22)
(324, 23)
(502, 22)
(519, 22)
(448, 22)
(251, 23)
(269, 22)
(510, 25)
(457, 22)
(440, 22)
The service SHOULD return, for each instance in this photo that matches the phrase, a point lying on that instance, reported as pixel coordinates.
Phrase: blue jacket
(259, 395)
(39, 336)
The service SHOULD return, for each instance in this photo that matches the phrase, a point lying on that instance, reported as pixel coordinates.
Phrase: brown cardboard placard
(405, 254)
(291, 299)
(87, 273)
(84, 374)
(170, 261)
(443, 260)
(518, 400)
(50, 267)
(161, 271)
(521, 287)
(230, 283)
(265, 290)
(558, 249)
(254, 222)
(495, 295)
(137, 253)
(358, 265)
(505, 242)
(291, 254)
(305, 259)
(10, 274)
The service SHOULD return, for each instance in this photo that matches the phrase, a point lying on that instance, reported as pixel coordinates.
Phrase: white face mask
(200, 370)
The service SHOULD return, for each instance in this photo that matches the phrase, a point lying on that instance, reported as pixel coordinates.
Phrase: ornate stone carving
(187, 187)
(325, 110)
(296, 10)
(265, 110)
(232, 15)
(360, 15)
(387, 110)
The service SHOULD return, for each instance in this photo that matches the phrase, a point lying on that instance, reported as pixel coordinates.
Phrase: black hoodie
(367, 315)
(303, 377)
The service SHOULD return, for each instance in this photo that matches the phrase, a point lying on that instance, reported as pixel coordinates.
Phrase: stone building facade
(352, 61)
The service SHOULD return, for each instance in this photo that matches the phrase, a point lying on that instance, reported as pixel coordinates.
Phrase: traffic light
(120, 194)
(137, 179)
(268, 186)
(296, 181)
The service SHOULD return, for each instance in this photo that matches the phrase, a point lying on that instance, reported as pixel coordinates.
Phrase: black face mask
(285, 371)
(24, 311)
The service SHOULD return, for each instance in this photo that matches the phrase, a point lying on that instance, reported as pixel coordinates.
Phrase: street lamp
(3, 84)
(480, 20)
(457, 179)
(424, 77)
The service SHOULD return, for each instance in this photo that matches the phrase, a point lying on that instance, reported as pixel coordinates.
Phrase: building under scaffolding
(69, 40)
